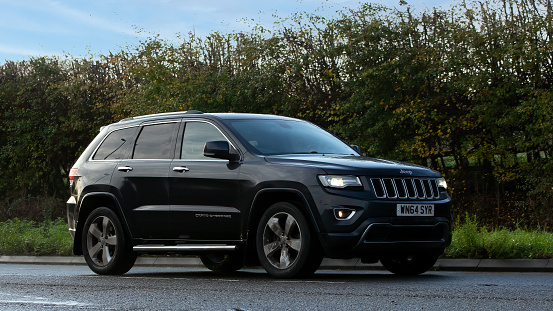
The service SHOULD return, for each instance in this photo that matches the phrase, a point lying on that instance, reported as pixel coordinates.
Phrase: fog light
(343, 213)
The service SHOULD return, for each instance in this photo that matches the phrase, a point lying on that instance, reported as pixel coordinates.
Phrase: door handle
(124, 168)
(181, 169)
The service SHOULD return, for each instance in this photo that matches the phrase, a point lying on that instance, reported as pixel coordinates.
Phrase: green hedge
(24, 237)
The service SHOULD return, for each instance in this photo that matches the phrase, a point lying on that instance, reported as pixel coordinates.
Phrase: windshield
(274, 137)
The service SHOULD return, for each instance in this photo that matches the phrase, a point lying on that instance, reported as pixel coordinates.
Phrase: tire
(284, 242)
(409, 265)
(105, 247)
(224, 263)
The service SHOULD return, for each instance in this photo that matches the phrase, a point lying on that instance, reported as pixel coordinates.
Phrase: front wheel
(409, 265)
(105, 247)
(285, 244)
(224, 263)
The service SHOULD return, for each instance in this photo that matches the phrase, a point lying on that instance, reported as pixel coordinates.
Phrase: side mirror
(220, 150)
(356, 148)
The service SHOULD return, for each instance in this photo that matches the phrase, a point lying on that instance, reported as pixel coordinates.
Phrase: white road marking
(34, 300)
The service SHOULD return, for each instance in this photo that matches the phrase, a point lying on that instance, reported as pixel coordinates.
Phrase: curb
(498, 265)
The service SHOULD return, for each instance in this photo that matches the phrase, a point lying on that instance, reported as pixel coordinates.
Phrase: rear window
(115, 146)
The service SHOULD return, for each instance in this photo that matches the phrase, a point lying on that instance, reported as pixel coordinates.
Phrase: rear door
(204, 190)
(142, 184)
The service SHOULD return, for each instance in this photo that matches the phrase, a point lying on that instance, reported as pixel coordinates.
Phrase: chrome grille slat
(434, 186)
(389, 188)
(419, 188)
(400, 188)
(403, 188)
(412, 192)
(378, 187)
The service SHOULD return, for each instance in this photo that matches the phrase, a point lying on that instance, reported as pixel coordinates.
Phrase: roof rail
(162, 114)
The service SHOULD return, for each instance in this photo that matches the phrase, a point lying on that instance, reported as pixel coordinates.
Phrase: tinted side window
(155, 142)
(196, 134)
(115, 146)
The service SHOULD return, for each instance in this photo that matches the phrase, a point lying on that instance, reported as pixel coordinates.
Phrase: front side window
(196, 134)
(155, 142)
(115, 146)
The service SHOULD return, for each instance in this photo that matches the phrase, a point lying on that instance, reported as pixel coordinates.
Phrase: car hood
(355, 165)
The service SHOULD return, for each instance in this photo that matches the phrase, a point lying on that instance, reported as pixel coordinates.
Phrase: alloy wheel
(282, 240)
(102, 241)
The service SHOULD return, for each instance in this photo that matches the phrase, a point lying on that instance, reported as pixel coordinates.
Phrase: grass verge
(473, 241)
(28, 238)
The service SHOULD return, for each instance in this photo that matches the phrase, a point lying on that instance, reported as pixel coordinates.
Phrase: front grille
(406, 188)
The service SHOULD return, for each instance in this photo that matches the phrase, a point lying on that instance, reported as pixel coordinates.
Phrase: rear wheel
(105, 247)
(285, 244)
(220, 262)
(409, 265)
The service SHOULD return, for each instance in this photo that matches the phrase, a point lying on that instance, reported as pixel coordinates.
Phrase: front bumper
(386, 236)
(376, 230)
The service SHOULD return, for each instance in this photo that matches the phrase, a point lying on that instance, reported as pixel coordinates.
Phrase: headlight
(442, 183)
(340, 181)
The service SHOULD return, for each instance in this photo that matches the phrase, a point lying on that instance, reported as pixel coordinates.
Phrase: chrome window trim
(185, 120)
(156, 122)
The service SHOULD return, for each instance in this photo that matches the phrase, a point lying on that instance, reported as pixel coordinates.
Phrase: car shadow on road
(259, 274)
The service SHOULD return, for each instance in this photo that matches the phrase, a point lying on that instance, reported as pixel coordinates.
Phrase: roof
(223, 116)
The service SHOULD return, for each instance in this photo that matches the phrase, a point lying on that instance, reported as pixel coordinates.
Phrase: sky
(34, 28)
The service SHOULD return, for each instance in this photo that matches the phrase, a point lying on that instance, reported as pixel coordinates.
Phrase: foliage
(471, 240)
(466, 91)
(50, 110)
(32, 208)
(25, 237)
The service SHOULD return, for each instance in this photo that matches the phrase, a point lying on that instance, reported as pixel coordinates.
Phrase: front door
(204, 190)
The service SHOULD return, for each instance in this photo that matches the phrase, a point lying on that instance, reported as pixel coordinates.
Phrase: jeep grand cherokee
(244, 189)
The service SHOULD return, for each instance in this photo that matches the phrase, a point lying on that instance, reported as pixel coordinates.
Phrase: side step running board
(183, 248)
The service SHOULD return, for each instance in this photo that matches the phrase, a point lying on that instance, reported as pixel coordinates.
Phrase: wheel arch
(90, 202)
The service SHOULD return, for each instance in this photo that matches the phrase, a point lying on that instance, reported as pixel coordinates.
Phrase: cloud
(6, 49)
(49, 16)
(89, 18)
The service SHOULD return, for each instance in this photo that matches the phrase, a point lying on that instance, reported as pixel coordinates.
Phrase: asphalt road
(53, 287)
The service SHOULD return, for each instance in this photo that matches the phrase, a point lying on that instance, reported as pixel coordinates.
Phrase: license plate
(415, 210)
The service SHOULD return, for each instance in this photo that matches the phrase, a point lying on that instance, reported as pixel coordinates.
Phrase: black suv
(243, 190)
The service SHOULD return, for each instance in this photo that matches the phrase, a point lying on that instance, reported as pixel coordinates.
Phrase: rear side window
(155, 142)
(116, 145)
